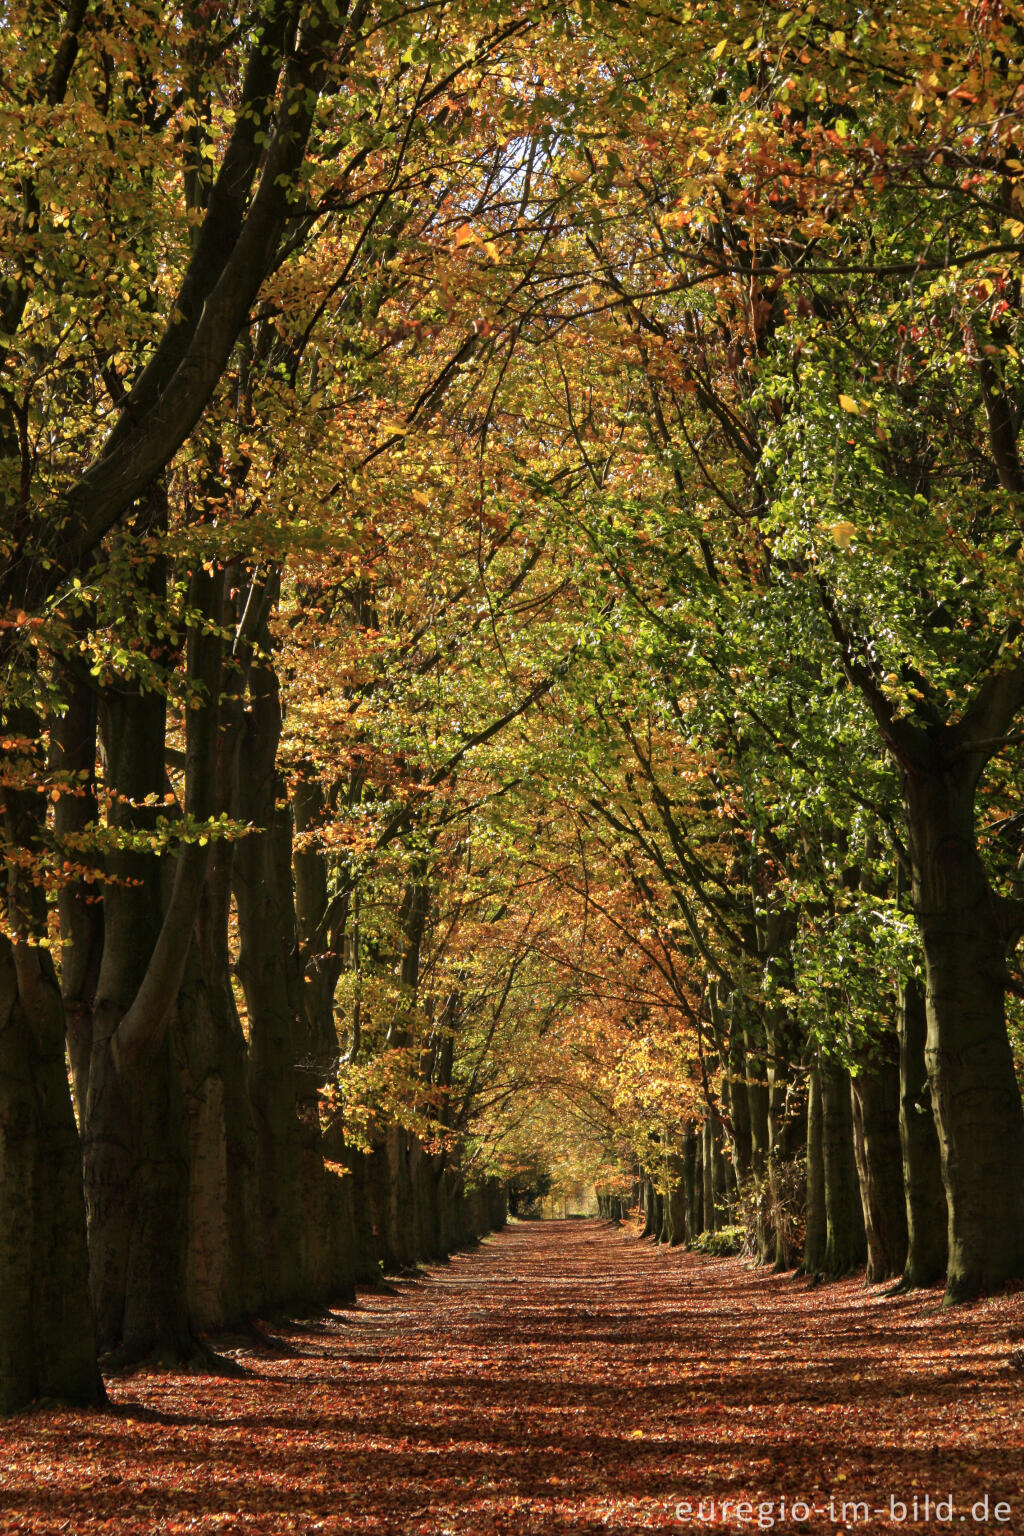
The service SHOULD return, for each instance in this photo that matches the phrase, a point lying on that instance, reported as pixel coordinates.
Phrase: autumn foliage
(510, 617)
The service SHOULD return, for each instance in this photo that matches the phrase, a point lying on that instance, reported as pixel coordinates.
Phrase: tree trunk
(262, 887)
(736, 1101)
(816, 1228)
(135, 1137)
(365, 1260)
(47, 1343)
(787, 1138)
(320, 925)
(690, 1183)
(659, 1215)
(708, 1170)
(225, 1275)
(927, 1216)
(699, 1215)
(225, 1250)
(650, 1227)
(378, 1187)
(719, 1177)
(400, 1212)
(845, 1246)
(47, 1338)
(675, 1203)
(974, 1091)
(320, 940)
(876, 1123)
(73, 741)
(448, 1208)
(757, 1103)
(424, 1179)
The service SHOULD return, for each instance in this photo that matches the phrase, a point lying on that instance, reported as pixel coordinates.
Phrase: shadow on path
(561, 1377)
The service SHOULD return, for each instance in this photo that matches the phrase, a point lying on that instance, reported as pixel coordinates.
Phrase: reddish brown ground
(562, 1377)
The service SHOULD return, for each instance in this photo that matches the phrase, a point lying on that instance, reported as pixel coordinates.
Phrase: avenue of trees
(511, 577)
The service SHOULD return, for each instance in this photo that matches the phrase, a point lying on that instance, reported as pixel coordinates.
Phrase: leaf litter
(560, 1377)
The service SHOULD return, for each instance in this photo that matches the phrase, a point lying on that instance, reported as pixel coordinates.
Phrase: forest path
(561, 1377)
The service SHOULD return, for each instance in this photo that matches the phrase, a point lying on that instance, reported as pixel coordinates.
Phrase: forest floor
(560, 1377)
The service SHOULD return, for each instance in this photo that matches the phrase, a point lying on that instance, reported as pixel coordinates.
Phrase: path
(562, 1377)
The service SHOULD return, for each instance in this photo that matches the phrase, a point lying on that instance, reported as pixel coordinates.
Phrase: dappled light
(562, 1377)
(511, 764)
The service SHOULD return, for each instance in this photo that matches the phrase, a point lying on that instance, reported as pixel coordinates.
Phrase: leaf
(848, 403)
(719, 48)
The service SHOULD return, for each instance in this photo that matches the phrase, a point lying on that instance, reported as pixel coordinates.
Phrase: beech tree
(111, 356)
(803, 251)
(510, 621)
(56, 520)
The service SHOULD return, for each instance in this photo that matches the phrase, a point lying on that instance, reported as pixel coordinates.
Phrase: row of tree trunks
(210, 1197)
(414, 1207)
(885, 1207)
(871, 1191)
(855, 1212)
(693, 1189)
(612, 1207)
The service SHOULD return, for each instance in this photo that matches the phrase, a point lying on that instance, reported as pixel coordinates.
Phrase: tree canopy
(511, 638)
